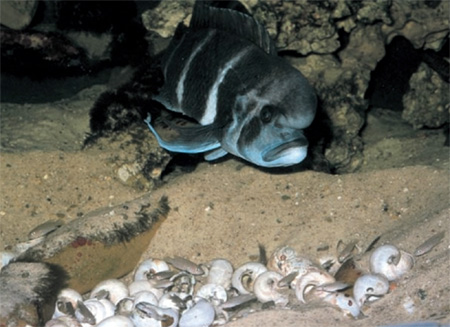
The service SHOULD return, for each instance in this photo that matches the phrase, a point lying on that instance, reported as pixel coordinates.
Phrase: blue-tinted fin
(215, 154)
(193, 139)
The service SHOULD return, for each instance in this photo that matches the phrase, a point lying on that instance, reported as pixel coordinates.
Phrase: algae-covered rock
(164, 19)
(423, 23)
(17, 15)
(103, 244)
(344, 104)
(427, 103)
(135, 157)
(28, 292)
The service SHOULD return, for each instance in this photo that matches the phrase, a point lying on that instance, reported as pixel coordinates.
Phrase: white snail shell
(183, 282)
(66, 295)
(369, 288)
(266, 288)
(116, 321)
(280, 259)
(116, 289)
(314, 277)
(63, 321)
(391, 262)
(149, 267)
(143, 285)
(173, 300)
(250, 270)
(220, 273)
(285, 260)
(169, 315)
(344, 302)
(100, 309)
(200, 315)
(216, 294)
(149, 315)
(145, 296)
(125, 306)
(141, 318)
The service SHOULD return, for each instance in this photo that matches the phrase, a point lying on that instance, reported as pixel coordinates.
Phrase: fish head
(268, 121)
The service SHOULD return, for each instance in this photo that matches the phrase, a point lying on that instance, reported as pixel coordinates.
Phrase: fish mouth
(285, 149)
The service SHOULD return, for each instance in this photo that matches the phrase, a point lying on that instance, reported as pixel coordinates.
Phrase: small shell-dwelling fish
(44, 229)
(224, 72)
(429, 244)
(185, 265)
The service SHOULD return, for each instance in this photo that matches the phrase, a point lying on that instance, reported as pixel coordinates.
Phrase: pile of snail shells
(387, 264)
(204, 295)
(157, 296)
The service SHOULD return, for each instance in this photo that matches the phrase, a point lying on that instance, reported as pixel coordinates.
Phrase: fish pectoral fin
(187, 139)
(215, 154)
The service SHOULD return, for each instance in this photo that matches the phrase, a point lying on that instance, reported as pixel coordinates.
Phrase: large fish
(223, 72)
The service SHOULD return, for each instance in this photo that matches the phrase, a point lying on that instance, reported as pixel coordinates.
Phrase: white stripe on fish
(180, 86)
(238, 123)
(211, 105)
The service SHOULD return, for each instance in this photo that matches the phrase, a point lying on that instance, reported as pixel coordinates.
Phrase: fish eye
(266, 114)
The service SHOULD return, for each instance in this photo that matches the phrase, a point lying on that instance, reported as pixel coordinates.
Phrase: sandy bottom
(224, 210)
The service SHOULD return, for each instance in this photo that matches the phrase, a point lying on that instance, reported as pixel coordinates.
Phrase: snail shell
(145, 315)
(266, 288)
(213, 293)
(63, 321)
(125, 306)
(183, 282)
(344, 302)
(248, 272)
(307, 282)
(66, 302)
(149, 315)
(145, 296)
(173, 300)
(116, 321)
(98, 310)
(143, 285)
(200, 315)
(285, 260)
(148, 268)
(220, 273)
(370, 288)
(391, 262)
(114, 288)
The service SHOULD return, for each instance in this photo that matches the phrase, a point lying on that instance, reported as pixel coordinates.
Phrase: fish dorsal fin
(234, 22)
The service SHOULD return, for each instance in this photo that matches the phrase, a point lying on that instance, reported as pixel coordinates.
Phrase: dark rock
(17, 15)
(28, 292)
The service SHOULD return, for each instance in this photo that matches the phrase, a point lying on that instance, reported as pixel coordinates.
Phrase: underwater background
(76, 75)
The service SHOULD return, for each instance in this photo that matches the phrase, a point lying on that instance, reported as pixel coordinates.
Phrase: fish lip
(277, 151)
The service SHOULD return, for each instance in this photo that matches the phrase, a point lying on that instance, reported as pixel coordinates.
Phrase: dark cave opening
(390, 79)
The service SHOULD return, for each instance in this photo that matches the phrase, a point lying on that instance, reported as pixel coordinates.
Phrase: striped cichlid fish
(223, 72)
